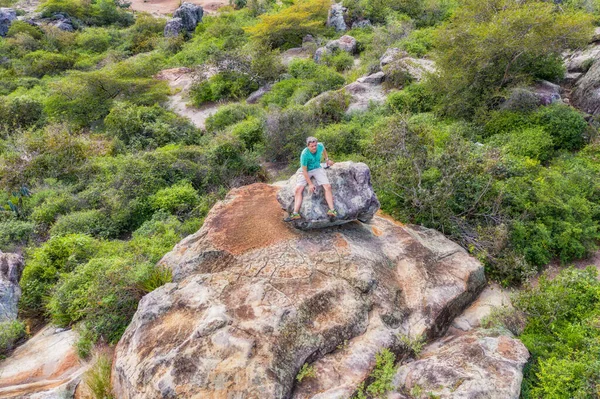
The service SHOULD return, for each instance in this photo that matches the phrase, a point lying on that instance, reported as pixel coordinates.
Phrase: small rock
(390, 55)
(321, 53)
(308, 39)
(7, 15)
(345, 43)
(258, 94)
(547, 92)
(375, 78)
(11, 267)
(335, 18)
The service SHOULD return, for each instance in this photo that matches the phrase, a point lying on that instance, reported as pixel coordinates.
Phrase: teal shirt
(310, 160)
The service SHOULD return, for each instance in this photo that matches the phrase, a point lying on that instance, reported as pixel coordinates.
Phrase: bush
(14, 232)
(223, 86)
(565, 124)
(341, 138)
(535, 143)
(142, 127)
(230, 114)
(94, 40)
(91, 222)
(286, 133)
(330, 107)
(20, 113)
(10, 332)
(17, 27)
(414, 98)
(287, 27)
(178, 199)
(340, 61)
(54, 205)
(250, 131)
(41, 62)
(97, 377)
(561, 335)
(520, 100)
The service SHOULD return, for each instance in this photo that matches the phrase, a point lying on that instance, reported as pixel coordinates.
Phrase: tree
(491, 45)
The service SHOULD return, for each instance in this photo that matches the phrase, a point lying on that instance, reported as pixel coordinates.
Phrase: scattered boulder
(62, 22)
(354, 197)
(321, 53)
(11, 267)
(474, 365)
(335, 18)
(173, 27)
(293, 53)
(253, 299)
(185, 19)
(258, 94)
(547, 92)
(190, 14)
(345, 43)
(391, 55)
(376, 78)
(7, 15)
(582, 60)
(493, 297)
(45, 367)
(363, 94)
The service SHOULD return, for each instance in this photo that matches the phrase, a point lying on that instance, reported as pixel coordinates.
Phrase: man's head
(311, 143)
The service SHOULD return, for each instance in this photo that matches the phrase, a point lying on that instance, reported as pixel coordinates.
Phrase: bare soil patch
(166, 7)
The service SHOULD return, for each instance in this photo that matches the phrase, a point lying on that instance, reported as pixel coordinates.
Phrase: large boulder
(7, 15)
(586, 93)
(345, 43)
(335, 18)
(354, 198)
(253, 299)
(190, 14)
(44, 367)
(11, 267)
(475, 365)
(185, 19)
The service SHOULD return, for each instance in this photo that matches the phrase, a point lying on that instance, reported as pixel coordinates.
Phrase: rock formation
(254, 299)
(45, 367)
(345, 43)
(11, 267)
(354, 197)
(7, 15)
(185, 19)
(335, 18)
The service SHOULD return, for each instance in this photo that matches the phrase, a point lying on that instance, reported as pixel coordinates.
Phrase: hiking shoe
(332, 213)
(293, 216)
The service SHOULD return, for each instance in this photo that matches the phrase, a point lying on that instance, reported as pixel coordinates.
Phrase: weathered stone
(45, 367)
(345, 43)
(294, 53)
(321, 53)
(413, 68)
(468, 366)
(362, 95)
(258, 94)
(491, 298)
(375, 78)
(254, 299)
(335, 18)
(582, 60)
(354, 197)
(390, 55)
(11, 267)
(64, 24)
(547, 92)
(190, 14)
(363, 23)
(7, 15)
(173, 27)
(586, 93)
(571, 78)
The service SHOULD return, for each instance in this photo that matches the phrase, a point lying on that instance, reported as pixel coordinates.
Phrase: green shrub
(306, 371)
(20, 113)
(15, 232)
(419, 42)
(54, 205)
(562, 335)
(91, 222)
(506, 122)
(97, 377)
(414, 98)
(144, 35)
(230, 114)
(94, 40)
(520, 100)
(10, 332)
(343, 138)
(250, 131)
(330, 107)
(223, 86)
(141, 127)
(535, 143)
(42, 62)
(74, 8)
(177, 199)
(287, 27)
(383, 373)
(565, 124)
(340, 61)
(17, 27)
(286, 133)
(156, 277)
(44, 265)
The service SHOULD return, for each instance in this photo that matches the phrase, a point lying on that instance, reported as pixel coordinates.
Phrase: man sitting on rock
(310, 166)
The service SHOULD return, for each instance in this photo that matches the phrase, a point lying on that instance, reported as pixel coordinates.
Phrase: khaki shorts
(319, 175)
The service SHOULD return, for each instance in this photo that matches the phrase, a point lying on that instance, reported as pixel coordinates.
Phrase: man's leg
(298, 198)
(328, 195)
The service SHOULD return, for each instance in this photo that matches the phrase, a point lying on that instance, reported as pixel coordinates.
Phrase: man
(310, 166)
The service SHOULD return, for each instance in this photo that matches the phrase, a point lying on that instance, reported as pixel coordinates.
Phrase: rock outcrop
(335, 18)
(345, 43)
(586, 94)
(11, 267)
(475, 365)
(253, 299)
(395, 60)
(45, 367)
(185, 19)
(7, 15)
(354, 197)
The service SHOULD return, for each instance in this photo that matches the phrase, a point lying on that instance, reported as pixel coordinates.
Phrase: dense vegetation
(99, 179)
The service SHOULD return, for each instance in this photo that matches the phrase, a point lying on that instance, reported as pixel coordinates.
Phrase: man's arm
(311, 187)
(328, 161)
